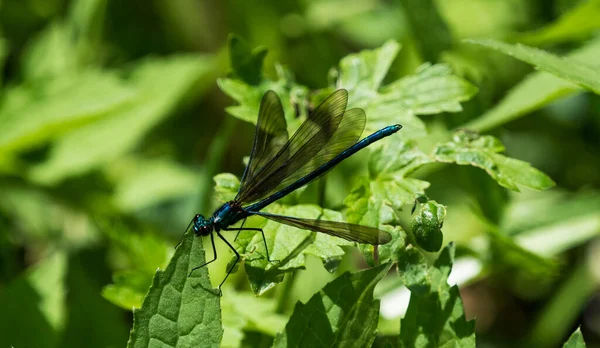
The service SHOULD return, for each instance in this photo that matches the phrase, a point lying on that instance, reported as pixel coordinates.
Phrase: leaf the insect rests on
(288, 245)
(343, 314)
(178, 310)
(484, 152)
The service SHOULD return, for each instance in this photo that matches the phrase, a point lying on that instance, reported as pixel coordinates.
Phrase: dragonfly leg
(187, 228)
(237, 259)
(240, 230)
(212, 240)
(263, 236)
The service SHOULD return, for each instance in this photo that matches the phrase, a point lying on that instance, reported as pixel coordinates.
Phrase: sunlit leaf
(343, 314)
(161, 84)
(373, 200)
(585, 74)
(580, 21)
(431, 90)
(51, 53)
(179, 310)
(288, 245)
(553, 222)
(485, 152)
(576, 340)
(435, 315)
(226, 186)
(142, 183)
(246, 312)
(128, 289)
(30, 116)
(534, 92)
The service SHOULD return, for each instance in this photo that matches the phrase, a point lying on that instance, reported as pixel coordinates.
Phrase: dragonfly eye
(205, 230)
(201, 226)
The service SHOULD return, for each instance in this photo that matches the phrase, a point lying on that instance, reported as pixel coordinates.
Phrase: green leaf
(226, 186)
(246, 312)
(534, 92)
(435, 316)
(140, 255)
(179, 311)
(554, 222)
(433, 89)
(84, 302)
(247, 83)
(246, 62)
(372, 202)
(578, 72)
(484, 152)
(343, 314)
(430, 32)
(505, 254)
(128, 289)
(141, 183)
(31, 115)
(35, 301)
(426, 226)
(576, 340)
(580, 21)
(162, 84)
(288, 245)
(51, 53)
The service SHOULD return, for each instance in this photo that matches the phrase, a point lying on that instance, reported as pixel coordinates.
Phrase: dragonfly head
(202, 226)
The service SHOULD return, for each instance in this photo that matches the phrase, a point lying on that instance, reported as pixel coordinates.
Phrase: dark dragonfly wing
(329, 130)
(270, 136)
(351, 232)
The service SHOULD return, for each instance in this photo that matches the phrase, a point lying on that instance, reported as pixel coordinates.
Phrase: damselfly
(278, 165)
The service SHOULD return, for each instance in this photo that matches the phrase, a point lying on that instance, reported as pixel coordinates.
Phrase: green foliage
(579, 22)
(400, 101)
(35, 301)
(435, 315)
(484, 152)
(536, 91)
(112, 132)
(179, 310)
(580, 73)
(575, 341)
(343, 314)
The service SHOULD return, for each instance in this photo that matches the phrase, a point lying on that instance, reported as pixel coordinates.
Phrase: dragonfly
(279, 165)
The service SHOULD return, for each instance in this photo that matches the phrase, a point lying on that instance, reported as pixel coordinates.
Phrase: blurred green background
(112, 128)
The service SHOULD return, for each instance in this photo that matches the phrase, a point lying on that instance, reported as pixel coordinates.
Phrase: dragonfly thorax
(202, 226)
